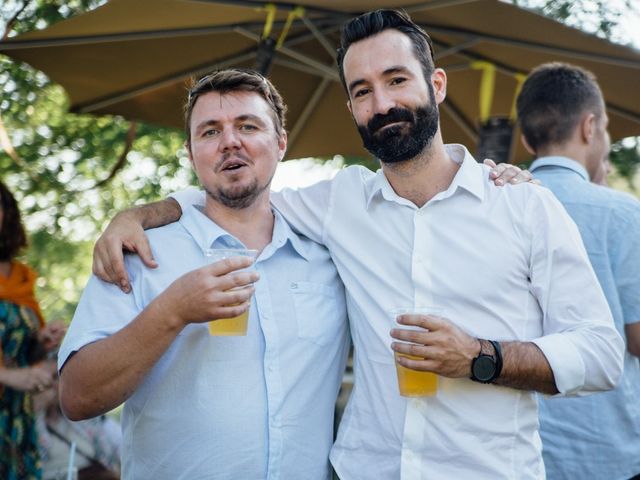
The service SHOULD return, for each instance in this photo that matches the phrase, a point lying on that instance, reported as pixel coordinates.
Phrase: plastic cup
(236, 326)
(414, 383)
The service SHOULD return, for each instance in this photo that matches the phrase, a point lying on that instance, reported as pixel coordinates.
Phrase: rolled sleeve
(580, 341)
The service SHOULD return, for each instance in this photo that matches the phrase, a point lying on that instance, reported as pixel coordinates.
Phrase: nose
(229, 140)
(382, 102)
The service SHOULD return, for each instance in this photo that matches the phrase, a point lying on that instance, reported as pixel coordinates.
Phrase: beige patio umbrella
(132, 58)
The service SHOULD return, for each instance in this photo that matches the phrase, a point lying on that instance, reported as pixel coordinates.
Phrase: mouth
(232, 165)
(391, 128)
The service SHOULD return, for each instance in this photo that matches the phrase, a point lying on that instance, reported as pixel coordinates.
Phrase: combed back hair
(12, 234)
(372, 23)
(552, 101)
(235, 80)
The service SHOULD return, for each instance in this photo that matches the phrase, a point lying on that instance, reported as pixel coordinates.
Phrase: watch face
(484, 368)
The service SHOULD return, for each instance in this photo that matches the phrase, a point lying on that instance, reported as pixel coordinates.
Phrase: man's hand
(124, 233)
(215, 291)
(504, 173)
(444, 347)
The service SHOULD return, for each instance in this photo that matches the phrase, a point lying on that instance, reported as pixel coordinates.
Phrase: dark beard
(238, 199)
(400, 143)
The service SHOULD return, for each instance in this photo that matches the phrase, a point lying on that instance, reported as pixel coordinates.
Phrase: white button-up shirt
(254, 407)
(505, 263)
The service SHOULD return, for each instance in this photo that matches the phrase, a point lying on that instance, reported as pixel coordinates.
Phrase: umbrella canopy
(134, 58)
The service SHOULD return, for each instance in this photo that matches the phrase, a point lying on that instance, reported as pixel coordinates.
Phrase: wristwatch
(485, 368)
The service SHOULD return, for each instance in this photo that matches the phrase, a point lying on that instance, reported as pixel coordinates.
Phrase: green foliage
(61, 159)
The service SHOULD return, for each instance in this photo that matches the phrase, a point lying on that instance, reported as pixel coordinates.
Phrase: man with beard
(218, 407)
(523, 310)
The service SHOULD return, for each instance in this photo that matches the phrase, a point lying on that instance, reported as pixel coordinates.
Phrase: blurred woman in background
(24, 342)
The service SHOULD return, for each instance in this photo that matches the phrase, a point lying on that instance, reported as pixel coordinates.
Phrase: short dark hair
(552, 101)
(12, 234)
(235, 80)
(372, 23)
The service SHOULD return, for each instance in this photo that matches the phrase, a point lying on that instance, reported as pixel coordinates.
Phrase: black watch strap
(498, 350)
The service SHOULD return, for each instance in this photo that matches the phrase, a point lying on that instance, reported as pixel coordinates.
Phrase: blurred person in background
(564, 123)
(98, 440)
(24, 342)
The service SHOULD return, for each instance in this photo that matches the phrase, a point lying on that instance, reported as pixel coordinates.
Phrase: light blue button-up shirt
(598, 436)
(253, 407)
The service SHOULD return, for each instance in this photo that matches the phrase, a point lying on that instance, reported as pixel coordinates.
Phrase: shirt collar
(560, 162)
(207, 234)
(470, 177)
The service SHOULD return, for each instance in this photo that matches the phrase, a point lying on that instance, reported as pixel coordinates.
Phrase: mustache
(394, 115)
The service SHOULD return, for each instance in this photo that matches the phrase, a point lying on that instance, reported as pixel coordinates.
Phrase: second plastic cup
(236, 326)
(414, 383)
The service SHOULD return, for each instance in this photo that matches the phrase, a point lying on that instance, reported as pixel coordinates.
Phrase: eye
(210, 132)
(361, 92)
(248, 127)
(398, 80)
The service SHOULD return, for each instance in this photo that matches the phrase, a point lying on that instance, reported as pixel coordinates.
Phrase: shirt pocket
(320, 311)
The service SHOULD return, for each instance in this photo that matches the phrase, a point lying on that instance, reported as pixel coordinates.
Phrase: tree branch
(122, 160)
(12, 20)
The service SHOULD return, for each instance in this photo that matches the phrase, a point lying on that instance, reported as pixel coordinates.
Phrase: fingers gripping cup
(236, 326)
(414, 383)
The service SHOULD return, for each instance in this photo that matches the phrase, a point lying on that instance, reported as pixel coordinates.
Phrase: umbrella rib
(301, 68)
(281, 5)
(108, 100)
(623, 62)
(10, 45)
(322, 39)
(509, 70)
(458, 117)
(454, 49)
(325, 69)
(434, 4)
(308, 110)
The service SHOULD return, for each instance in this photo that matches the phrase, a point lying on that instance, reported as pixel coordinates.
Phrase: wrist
(487, 366)
(166, 316)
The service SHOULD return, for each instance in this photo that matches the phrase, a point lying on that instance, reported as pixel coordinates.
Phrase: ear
(588, 127)
(188, 149)
(349, 107)
(282, 145)
(526, 145)
(439, 82)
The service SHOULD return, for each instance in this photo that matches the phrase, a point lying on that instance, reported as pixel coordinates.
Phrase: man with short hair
(199, 406)
(564, 124)
(506, 265)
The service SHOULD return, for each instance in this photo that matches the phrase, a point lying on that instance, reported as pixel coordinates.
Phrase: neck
(253, 225)
(5, 268)
(424, 176)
